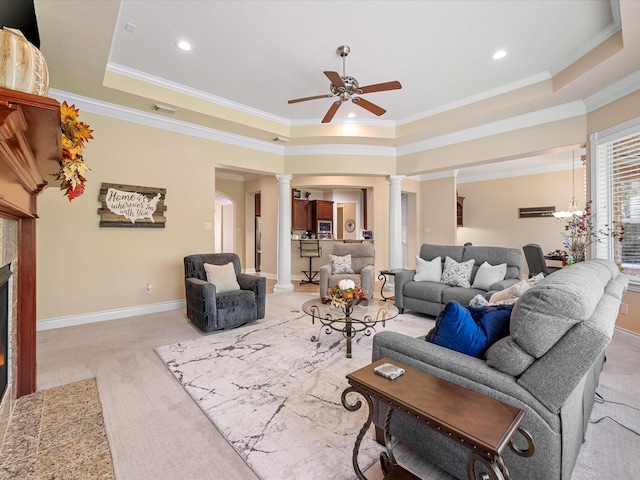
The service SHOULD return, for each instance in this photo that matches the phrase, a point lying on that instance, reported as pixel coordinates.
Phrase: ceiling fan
(347, 88)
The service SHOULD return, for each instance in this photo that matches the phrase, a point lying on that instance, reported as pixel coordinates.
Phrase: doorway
(225, 224)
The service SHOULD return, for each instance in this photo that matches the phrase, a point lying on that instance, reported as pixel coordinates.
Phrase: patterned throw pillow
(340, 264)
(457, 274)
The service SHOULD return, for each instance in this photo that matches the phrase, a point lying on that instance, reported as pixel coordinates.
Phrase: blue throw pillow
(470, 330)
(494, 321)
(455, 329)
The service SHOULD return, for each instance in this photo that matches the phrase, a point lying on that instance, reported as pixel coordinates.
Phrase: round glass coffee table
(363, 317)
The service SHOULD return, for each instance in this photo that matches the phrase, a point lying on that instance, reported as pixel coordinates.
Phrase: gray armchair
(362, 263)
(211, 311)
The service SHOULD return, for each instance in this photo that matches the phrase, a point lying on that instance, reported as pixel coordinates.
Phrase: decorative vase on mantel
(22, 65)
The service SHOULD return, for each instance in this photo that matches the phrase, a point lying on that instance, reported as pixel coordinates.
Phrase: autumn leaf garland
(74, 136)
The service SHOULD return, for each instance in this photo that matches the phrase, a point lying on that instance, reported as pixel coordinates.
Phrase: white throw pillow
(222, 276)
(340, 264)
(457, 274)
(488, 274)
(428, 271)
(511, 294)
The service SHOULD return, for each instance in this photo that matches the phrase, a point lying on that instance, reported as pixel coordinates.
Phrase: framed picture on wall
(296, 193)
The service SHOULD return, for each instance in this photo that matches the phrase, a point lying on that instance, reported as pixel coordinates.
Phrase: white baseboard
(72, 320)
(626, 336)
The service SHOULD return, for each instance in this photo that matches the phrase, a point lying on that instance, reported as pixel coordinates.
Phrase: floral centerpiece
(72, 167)
(345, 294)
(581, 232)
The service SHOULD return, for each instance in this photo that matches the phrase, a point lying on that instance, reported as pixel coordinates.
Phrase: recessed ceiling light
(499, 54)
(184, 45)
(351, 115)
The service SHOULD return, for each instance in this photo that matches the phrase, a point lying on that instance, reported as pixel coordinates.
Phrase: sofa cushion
(470, 330)
(340, 264)
(428, 271)
(549, 309)
(505, 355)
(488, 274)
(428, 291)
(222, 276)
(457, 274)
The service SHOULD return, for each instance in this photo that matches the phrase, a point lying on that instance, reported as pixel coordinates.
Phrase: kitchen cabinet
(300, 215)
(321, 210)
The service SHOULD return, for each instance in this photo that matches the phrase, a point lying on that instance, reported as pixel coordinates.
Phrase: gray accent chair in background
(536, 261)
(362, 263)
(211, 311)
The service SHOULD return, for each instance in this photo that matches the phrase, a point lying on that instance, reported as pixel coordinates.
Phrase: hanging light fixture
(573, 205)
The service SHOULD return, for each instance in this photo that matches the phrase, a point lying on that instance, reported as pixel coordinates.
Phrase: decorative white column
(395, 221)
(283, 283)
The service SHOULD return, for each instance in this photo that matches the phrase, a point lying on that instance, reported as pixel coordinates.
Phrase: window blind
(617, 195)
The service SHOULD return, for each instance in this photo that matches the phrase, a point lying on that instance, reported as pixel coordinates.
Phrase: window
(615, 184)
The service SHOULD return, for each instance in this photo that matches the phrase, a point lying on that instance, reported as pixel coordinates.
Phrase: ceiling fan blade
(304, 99)
(380, 87)
(335, 78)
(332, 111)
(367, 105)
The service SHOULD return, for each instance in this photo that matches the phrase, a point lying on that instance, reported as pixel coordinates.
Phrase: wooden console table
(482, 424)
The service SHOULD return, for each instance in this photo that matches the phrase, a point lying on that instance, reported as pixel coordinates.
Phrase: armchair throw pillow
(457, 274)
(428, 270)
(340, 264)
(222, 276)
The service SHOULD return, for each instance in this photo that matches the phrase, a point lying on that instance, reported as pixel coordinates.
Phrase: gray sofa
(548, 366)
(431, 297)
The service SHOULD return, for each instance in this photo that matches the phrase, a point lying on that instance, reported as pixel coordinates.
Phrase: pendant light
(573, 205)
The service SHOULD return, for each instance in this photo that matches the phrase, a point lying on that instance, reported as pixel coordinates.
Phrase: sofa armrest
(458, 368)
(200, 287)
(324, 273)
(401, 277)
(258, 285)
(368, 279)
(199, 294)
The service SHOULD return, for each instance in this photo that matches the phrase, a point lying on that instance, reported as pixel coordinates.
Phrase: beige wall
(83, 268)
(491, 209)
(438, 214)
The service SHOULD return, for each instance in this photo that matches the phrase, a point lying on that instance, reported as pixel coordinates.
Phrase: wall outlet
(148, 290)
(207, 225)
(624, 308)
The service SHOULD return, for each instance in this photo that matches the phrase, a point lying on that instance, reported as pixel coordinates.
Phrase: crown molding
(153, 120)
(349, 149)
(199, 94)
(613, 27)
(540, 117)
(494, 92)
(613, 92)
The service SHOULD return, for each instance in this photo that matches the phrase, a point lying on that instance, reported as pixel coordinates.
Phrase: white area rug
(275, 395)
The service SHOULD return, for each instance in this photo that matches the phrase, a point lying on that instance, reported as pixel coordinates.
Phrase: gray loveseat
(431, 297)
(548, 366)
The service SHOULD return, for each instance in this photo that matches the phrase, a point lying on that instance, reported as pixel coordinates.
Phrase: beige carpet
(57, 434)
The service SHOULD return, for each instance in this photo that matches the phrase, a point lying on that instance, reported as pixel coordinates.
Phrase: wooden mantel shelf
(30, 149)
(30, 146)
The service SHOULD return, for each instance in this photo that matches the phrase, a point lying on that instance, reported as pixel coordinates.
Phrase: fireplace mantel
(30, 148)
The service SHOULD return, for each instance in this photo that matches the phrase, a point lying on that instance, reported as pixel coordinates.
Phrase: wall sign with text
(132, 206)
(536, 212)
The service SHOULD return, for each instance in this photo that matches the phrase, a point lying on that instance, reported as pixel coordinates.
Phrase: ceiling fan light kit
(345, 88)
